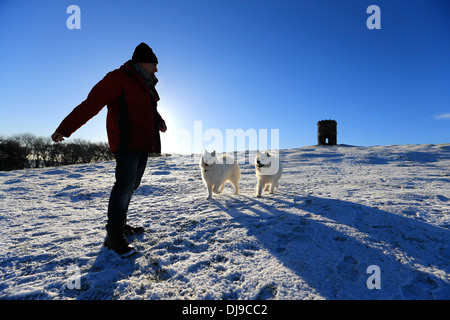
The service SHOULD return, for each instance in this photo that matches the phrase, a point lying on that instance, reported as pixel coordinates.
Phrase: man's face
(149, 67)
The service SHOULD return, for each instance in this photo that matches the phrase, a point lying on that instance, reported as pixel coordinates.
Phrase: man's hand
(57, 137)
(162, 126)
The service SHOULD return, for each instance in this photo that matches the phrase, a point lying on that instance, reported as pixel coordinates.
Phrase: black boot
(115, 240)
(129, 230)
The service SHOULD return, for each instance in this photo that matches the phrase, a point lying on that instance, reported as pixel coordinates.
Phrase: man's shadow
(331, 243)
(100, 281)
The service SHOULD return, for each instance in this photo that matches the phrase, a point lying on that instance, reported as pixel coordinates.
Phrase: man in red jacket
(133, 125)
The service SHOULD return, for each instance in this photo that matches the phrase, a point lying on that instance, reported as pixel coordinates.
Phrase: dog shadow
(331, 243)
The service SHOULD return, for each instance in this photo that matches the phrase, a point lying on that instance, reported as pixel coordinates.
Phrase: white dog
(215, 172)
(268, 171)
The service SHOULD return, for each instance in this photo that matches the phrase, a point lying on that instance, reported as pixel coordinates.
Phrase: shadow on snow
(331, 243)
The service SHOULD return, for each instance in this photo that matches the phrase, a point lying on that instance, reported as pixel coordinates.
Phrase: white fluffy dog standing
(268, 171)
(217, 171)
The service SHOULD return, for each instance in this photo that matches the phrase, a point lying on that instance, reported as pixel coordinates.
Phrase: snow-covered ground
(337, 211)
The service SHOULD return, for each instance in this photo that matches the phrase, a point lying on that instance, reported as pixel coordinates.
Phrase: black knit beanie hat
(143, 53)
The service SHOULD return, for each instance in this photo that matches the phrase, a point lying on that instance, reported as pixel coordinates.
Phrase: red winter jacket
(132, 121)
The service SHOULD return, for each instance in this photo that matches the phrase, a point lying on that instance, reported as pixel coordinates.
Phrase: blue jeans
(130, 166)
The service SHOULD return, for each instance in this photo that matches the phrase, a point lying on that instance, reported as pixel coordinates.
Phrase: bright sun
(173, 140)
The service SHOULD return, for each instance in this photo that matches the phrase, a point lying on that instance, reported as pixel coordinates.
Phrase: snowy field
(337, 211)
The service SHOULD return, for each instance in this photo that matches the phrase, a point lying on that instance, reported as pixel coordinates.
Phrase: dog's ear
(267, 154)
(213, 154)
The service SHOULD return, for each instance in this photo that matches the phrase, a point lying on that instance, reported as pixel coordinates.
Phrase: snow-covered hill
(337, 211)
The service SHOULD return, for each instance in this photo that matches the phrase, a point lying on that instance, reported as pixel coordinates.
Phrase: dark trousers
(130, 166)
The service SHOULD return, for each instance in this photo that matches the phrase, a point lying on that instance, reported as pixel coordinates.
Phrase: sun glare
(172, 141)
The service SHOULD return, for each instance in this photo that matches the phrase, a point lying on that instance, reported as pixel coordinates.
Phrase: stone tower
(327, 132)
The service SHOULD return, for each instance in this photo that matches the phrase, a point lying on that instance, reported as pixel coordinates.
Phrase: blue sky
(249, 64)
